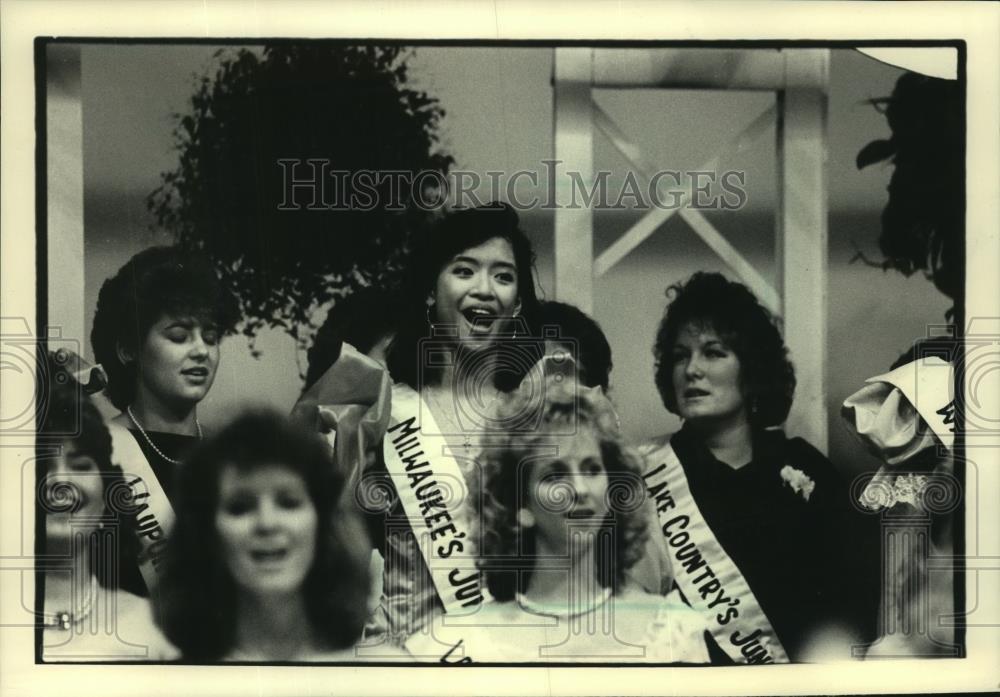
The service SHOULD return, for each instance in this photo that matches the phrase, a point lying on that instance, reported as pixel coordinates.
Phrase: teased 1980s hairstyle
(455, 232)
(734, 313)
(507, 551)
(361, 319)
(70, 415)
(593, 350)
(197, 592)
(155, 282)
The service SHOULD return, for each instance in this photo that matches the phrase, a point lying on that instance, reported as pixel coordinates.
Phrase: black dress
(173, 445)
(176, 447)
(808, 562)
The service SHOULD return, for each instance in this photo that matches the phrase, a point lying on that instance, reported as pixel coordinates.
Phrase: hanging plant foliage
(923, 221)
(286, 249)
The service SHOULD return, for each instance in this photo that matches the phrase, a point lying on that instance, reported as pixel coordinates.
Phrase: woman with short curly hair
(264, 562)
(709, 304)
(157, 330)
(771, 511)
(563, 519)
(160, 286)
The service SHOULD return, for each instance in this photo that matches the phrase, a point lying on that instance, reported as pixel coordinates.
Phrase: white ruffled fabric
(897, 416)
(887, 422)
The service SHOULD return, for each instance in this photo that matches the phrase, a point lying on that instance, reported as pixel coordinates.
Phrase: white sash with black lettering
(154, 514)
(709, 579)
(433, 493)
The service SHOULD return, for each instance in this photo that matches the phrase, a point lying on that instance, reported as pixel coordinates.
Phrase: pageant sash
(709, 579)
(433, 493)
(154, 516)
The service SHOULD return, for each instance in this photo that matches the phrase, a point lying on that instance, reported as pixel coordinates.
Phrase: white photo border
(976, 24)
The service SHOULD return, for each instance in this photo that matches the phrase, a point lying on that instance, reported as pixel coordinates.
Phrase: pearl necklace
(66, 619)
(537, 609)
(152, 445)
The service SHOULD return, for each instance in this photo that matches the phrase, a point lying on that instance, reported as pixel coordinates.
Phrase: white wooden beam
(802, 236)
(801, 77)
(64, 172)
(656, 217)
(632, 238)
(695, 68)
(632, 152)
(764, 291)
(574, 151)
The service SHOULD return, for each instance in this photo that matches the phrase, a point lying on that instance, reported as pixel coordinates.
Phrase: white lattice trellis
(799, 77)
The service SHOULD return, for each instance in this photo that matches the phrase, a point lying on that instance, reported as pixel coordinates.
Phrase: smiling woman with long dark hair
(264, 563)
(470, 301)
(469, 275)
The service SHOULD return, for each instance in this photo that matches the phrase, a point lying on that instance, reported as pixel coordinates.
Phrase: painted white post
(690, 68)
(64, 165)
(801, 78)
(802, 235)
(574, 149)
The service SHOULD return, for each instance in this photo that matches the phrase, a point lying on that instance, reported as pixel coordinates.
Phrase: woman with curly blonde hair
(563, 519)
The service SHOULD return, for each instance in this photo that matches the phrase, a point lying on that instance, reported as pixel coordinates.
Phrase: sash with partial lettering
(707, 577)
(154, 516)
(433, 493)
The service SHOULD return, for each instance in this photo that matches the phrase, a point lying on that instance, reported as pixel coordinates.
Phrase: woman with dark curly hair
(83, 498)
(365, 319)
(470, 301)
(157, 330)
(264, 562)
(576, 333)
(470, 275)
(563, 520)
(767, 516)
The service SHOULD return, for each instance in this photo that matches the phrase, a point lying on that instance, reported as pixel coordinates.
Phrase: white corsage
(798, 480)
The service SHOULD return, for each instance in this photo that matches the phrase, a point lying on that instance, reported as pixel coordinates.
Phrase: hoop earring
(427, 313)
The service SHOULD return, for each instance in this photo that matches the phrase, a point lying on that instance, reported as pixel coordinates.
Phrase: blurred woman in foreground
(264, 563)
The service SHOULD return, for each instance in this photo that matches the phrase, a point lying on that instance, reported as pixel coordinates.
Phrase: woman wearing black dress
(758, 525)
(157, 331)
